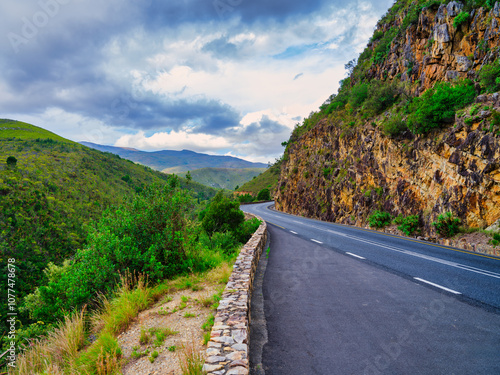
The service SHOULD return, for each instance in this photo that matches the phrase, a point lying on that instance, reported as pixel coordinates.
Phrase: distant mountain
(224, 178)
(176, 161)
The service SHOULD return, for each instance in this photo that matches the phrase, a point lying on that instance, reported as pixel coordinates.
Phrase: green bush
(359, 93)
(438, 105)
(146, 235)
(379, 219)
(264, 195)
(221, 215)
(409, 225)
(489, 77)
(496, 239)
(394, 126)
(460, 19)
(381, 96)
(447, 225)
(11, 161)
(246, 198)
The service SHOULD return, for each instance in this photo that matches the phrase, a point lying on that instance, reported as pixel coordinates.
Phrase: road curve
(343, 300)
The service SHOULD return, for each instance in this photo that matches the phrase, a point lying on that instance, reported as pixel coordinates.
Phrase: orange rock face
(435, 50)
(343, 176)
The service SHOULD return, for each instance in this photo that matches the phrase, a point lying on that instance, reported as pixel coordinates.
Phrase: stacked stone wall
(228, 348)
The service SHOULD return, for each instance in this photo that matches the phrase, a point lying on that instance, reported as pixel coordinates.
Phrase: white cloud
(175, 140)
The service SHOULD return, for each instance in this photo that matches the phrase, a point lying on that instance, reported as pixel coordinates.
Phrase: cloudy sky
(228, 77)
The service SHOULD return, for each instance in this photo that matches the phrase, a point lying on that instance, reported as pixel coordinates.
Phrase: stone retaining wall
(227, 352)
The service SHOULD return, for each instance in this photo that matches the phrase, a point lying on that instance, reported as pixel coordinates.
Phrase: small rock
(238, 371)
(215, 359)
(210, 368)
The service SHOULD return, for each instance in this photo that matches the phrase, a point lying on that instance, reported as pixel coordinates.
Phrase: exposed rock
(458, 170)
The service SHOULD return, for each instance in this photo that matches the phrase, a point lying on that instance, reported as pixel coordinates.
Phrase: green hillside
(266, 180)
(24, 131)
(51, 189)
(224, 178)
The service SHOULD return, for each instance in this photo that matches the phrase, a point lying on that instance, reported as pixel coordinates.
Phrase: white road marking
(437, 285)
(293, 232)
(313, 240)
(354, 255)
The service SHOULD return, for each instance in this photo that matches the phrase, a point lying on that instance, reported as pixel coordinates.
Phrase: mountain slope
(176, 161)
(224, 178)
(414, 129)
(50, 190)
(266, 180)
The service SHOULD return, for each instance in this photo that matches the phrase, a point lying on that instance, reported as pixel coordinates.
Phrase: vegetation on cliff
(414, 129)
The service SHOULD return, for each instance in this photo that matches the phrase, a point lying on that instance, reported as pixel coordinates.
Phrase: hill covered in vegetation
(51, 191)
(266, 180)
(414, 130)
(224, 178)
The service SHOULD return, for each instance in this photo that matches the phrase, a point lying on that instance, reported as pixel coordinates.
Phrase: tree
(264, 195)
(188, 177)
(222, 215)
(11, 161)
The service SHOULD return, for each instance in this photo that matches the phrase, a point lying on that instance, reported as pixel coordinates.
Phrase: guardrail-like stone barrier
(227, 352)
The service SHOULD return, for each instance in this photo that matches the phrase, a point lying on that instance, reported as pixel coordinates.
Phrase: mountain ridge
(171, 161)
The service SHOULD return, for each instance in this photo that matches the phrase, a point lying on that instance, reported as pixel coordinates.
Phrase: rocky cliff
(437, 47)
(344, 166)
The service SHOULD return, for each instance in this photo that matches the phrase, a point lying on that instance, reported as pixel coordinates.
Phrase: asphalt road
(342, 300)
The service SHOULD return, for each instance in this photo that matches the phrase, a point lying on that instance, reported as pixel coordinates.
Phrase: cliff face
(435, 50)
(342, 173)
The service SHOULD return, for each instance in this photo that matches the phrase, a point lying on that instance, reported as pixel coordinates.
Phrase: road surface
(344, 300)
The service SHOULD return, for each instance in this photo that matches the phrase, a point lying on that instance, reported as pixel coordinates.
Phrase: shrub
(143, 236)
(489, 77)
(409, 225)
(394, 126)
(264, 195)
(460, 19)
(11, 161)
(246, 198)
(221, 215)
(496, 239)
(438, 105)
(381, 96)
(379, 219)
(447, 225)
(358, 95)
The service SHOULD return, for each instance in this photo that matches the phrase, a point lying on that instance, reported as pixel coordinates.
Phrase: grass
(65, 351)
(191, 360)
(58, 351)
(132, 297)
(24, 131)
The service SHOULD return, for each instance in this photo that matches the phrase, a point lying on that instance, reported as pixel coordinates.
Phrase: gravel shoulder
(182, 311)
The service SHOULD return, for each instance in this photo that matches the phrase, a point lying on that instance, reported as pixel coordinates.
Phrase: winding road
(345, 300)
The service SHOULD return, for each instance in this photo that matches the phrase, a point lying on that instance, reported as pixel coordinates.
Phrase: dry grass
(57, 352)
(220, 274)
